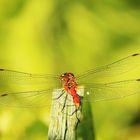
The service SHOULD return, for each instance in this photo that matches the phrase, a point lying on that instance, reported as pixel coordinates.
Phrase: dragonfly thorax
(69, 81)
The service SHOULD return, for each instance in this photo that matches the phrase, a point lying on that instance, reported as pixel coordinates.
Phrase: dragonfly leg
(64, 103)
(63, 91)
(75, 111)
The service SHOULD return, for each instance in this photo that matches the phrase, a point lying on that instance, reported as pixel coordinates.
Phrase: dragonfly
(95, 82)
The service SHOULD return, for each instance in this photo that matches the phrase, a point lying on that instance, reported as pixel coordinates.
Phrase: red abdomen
(76, 97)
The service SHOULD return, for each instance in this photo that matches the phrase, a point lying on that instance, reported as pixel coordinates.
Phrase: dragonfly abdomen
(76, 98)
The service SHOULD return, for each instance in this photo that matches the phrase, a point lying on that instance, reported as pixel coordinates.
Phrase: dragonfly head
(67, 77)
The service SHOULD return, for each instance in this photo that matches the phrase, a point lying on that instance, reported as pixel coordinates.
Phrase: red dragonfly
(92, 81)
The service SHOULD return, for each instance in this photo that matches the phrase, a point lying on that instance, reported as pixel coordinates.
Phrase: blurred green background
(53, 37)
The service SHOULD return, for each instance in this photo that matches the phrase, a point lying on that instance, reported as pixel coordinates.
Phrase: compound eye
(65, 74)
(72, 74)
(62, 77)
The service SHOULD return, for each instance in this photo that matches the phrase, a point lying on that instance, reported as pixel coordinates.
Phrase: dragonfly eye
(72, 74)
(65, 74)
(62, 77)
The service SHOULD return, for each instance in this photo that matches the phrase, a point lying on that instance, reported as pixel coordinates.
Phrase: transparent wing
(38, 98)
(109, 91)
(19, 89)
(21, 78)
(112, 70)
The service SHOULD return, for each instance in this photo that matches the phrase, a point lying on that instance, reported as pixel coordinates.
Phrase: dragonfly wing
(121, 66)
(38, 98)
(109, 91)
(15, 77)
(26, 85)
